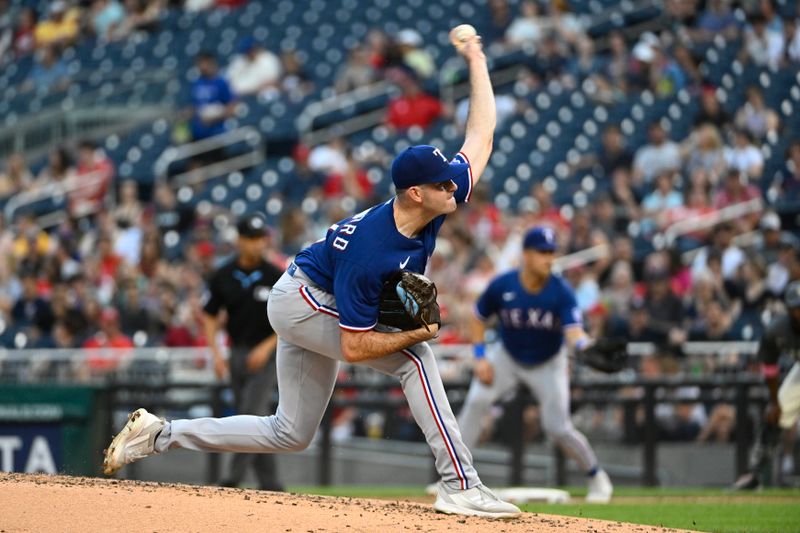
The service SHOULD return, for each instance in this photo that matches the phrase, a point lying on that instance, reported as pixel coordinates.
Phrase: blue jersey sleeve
(225, 93)
(358, 294)
(489, 302)
(464, 181)
(569, 312)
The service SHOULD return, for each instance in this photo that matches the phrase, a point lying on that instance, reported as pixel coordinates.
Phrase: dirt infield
(40, 503)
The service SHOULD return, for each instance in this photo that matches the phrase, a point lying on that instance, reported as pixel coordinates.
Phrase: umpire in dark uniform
(241, 287)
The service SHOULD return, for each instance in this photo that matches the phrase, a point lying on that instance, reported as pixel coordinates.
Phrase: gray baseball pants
(549, 381)
(309, 352)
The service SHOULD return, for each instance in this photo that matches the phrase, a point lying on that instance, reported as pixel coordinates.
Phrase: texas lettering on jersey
(531, 326)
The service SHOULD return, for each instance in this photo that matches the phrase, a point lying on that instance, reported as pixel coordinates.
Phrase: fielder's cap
(792, 294)
(540, 238)
(421, 164)
(770, 220)
(252, 226)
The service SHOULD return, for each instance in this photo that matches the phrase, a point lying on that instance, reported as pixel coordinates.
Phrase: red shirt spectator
(109, 336)
(94, 173)
(417, 109)
(413, 107)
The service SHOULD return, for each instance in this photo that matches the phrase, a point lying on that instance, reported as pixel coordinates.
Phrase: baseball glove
(408, 301)
(606, 355)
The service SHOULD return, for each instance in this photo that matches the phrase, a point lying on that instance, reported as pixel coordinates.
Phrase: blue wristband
(479, 350)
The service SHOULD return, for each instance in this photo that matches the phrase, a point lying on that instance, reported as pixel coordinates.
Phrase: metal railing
(56, 190)
(178, 379)
(247, 134)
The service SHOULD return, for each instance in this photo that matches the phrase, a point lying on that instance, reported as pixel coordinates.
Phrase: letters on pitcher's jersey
(361, 252)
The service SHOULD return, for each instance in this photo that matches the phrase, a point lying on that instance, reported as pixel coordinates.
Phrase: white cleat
(600, 488)
(477, 501)
(432, 489)
(136, 441)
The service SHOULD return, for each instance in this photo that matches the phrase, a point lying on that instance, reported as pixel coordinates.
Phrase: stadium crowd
(105, 275)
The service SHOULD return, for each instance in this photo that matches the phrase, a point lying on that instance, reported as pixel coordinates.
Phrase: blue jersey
(358, 254)
(531, 326)
(205, 91)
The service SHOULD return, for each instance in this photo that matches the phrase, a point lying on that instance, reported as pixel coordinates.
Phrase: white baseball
(461, 34)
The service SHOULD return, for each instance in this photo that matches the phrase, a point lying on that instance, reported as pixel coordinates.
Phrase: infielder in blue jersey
(535, 311)
(325, 310)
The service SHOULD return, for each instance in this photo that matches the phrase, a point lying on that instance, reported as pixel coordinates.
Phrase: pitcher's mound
(43, 503)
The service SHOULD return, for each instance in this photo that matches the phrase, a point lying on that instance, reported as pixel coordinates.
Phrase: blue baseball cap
(541, 238)
(421, 164)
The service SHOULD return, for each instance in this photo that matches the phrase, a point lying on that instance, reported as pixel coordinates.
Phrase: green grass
(759, 517)
(706, 509)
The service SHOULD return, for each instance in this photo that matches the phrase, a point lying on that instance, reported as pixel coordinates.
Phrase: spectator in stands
(637, 327)
(624, 196)
(711, 111)
(32, 311)
(784, 270)
(49, 73)
(755, 117)
(771, 239)
(706, 288)
(723, 250)
(24, 39)
(763, 46)
(212, 99)
(15, 177)
(108, 335)
(129, 209)
(585, 65)
(568, 27)
(30, 240)
(549, 62)
(413, 107)
(106, 19)
(356, 72)
(60, 28)
(295, 82)
(704, 152)
(352, 182)
(664, 309)
(94, 173)
(716, 19)
(141, 15)
(305, 182)
(617, 63)
(254, 70)
(666, 75)
(745, 156)
(618, 293)
(168, 214)
(134, 317)
(658, 156)
(786, 184)
(414, 56)
(528, 27)
(792, 33)
(499, 20)
(59, 168)
(657, 204)
(714, 325)
(735, 189)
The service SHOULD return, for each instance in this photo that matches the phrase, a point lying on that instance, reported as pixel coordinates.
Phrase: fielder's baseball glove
(408, 301)
(606, 355)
